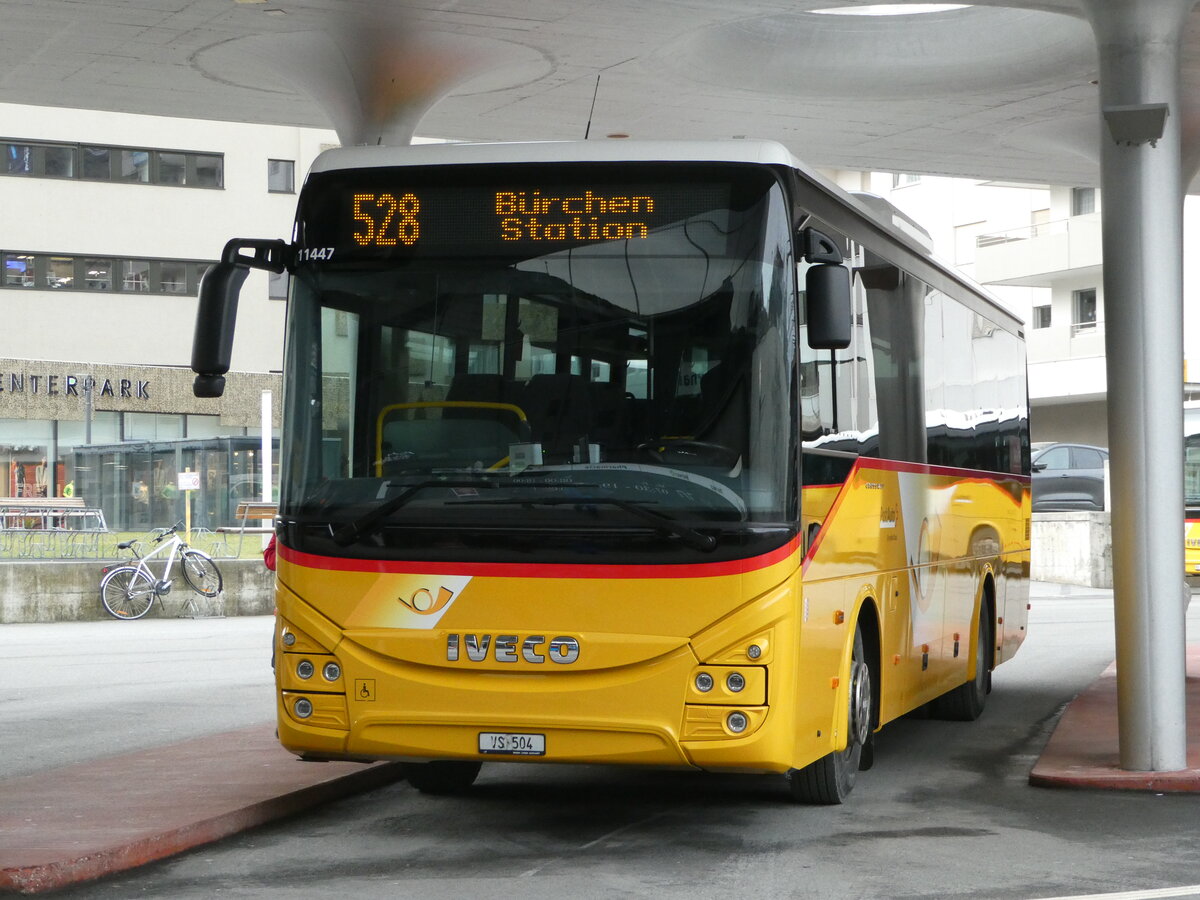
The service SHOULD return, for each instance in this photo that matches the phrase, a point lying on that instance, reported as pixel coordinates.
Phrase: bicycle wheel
(201, 573)
(127, 592)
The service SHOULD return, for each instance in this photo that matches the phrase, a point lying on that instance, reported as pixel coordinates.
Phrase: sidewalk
(1083, 751)
(72, 824)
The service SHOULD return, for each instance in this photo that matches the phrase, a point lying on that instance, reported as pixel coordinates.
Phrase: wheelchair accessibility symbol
(364, 689)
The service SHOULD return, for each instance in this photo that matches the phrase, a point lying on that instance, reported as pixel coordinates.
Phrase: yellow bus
(1191, 504)
(656, 454)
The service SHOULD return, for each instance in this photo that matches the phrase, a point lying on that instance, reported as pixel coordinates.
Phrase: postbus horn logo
(424, 603)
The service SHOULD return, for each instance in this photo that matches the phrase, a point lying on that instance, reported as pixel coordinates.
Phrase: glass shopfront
(135, 482)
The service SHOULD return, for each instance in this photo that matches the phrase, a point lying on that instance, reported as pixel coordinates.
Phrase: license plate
(512, 744)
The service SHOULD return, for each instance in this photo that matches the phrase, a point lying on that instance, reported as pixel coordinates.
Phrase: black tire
(442, 777)
(965, 703)
(831, 778)
(127, 592)
(201, 573)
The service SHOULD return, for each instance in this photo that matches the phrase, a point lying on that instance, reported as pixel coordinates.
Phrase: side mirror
(216, 314)
(828, 311)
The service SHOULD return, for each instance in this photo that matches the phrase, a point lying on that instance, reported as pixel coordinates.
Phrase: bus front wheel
(830, 779)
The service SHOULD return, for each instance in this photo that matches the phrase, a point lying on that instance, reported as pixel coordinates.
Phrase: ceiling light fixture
(890, 9)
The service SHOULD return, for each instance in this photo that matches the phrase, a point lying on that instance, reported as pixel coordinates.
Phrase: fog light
(736, 722)
(704, 682)
(735, 682)
(305, 669)
(754, 651)
(332, 671)
(303, 709)
(289, 639)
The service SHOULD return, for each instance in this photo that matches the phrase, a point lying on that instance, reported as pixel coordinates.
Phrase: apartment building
(1038, 248)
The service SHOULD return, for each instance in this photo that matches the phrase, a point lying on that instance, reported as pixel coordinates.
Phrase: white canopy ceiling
(1002, 92)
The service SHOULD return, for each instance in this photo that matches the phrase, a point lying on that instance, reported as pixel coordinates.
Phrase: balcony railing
(1042, 229)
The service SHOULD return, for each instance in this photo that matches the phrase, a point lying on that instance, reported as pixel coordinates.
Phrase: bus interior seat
(479, 387)
(613, 416)
(559, 408)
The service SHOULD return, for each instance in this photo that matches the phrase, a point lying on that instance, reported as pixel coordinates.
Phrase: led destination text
(531, 215)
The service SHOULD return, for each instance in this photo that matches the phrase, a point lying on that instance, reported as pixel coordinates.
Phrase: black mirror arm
(272, 255)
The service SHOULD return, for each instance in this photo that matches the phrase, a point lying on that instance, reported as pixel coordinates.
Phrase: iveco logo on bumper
(511, 648)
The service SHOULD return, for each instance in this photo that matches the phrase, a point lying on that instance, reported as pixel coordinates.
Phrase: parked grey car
(1068, 476)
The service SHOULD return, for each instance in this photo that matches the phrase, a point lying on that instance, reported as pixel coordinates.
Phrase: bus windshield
(556, 360)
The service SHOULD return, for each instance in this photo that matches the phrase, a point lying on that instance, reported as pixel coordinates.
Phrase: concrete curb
(74, 824)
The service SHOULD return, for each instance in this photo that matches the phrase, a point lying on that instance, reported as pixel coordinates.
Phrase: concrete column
(1142, 197)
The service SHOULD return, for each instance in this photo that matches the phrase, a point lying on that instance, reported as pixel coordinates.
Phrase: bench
(49, 527)
(53, 512)
(248, 511)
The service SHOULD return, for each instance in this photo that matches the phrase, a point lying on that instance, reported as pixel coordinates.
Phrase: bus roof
(608, 150)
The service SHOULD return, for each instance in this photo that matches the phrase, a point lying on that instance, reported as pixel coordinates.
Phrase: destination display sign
(428, 211)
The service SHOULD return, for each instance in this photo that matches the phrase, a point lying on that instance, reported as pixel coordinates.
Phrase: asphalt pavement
(78, 813)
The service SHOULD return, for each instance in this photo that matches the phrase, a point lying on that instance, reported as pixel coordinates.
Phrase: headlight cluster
(306, 669)
(735, 682)
(726, 700)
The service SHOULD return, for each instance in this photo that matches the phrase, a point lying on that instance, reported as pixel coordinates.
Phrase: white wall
(78, 217)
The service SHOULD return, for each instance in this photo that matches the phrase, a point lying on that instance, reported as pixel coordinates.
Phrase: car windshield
(568, 392)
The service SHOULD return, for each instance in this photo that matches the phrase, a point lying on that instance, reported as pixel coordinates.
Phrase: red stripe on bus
(541, 570)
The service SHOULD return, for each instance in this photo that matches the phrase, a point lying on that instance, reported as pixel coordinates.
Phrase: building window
(98, 274)
(281, 176)
(172, 169)
(135, 166)
(1083, 201)
(103, 274)
(172, 277)
(903, 179)
(210, 170)
(19, 270)
(96, 164)
(18, 159)
(1084, 303)
(60, 273)
(135, 275)
(132, 165)
(1041, 316)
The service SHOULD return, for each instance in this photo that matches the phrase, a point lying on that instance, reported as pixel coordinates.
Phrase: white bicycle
(128, 591)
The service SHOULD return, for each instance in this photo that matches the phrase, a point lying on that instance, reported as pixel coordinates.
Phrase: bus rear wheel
(831, 778)
(441, 777)
(965, 703)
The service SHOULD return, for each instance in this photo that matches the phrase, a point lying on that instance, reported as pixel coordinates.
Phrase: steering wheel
(684, 451)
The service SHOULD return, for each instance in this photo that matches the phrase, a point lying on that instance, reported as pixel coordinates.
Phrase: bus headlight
(737, 722)
(303, 708)
(735, 682)
(305, 669)
(704, 682)
(332, 671)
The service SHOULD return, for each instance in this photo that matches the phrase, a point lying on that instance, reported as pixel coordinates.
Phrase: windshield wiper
(689, 537)
(366, 524)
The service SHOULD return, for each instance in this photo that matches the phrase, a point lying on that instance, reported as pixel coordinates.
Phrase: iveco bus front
(542, 489)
